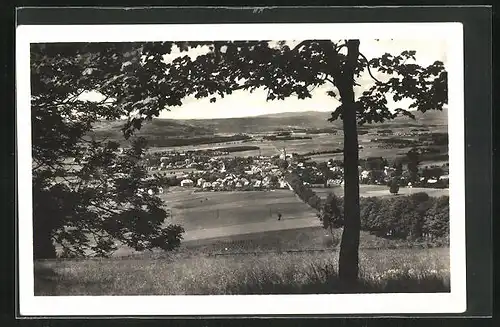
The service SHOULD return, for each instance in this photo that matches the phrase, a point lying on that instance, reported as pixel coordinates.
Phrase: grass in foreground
(401, 270)
(308, 238)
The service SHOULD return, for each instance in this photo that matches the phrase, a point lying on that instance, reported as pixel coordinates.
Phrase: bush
(414, 217)
(437, 224)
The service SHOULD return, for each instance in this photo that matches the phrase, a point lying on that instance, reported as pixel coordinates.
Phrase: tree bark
(43, 247)
(349, 247)
(43, 225)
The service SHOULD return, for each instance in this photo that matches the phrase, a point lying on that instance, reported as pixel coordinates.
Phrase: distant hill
(259, 124)
(308, 119)
(155, 127)
(267, 123)
(429, 118)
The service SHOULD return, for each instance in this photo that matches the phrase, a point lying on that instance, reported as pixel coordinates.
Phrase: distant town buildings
(216, 172)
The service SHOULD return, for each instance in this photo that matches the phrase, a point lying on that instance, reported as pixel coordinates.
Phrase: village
(213, 171)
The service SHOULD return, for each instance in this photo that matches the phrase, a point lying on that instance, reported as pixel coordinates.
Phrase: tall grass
(410, 270)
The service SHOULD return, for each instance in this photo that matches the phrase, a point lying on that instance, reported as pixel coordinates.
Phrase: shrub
(404, 217)
(437, 222)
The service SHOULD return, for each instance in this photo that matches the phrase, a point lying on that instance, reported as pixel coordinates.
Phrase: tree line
(415, 217)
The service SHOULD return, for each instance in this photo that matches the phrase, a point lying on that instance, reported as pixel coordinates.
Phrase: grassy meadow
(389, 270)
(221, 209)
(299, 260)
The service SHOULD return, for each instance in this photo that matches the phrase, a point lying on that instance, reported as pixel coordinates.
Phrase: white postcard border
(453, 302)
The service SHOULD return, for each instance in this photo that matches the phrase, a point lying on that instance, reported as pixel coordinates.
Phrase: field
(318, 142)
(203, 210)
(402, 270)
(248, 252)
(238, 215)
(234, 244)
(192, 132)
(209, 209)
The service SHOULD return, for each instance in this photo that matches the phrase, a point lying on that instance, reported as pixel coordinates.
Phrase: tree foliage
(416, 217)
(87, 195)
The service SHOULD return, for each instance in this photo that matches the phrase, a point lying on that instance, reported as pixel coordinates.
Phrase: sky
(243, 103)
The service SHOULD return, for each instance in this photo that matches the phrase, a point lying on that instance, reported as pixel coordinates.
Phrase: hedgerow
(415, 217)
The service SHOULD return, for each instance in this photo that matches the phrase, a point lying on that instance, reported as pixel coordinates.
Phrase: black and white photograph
(241, 169)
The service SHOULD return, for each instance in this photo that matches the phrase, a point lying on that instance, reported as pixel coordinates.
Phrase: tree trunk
(349, 247)
(43, 247)
(43, 220)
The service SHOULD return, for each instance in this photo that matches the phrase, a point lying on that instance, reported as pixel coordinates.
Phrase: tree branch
(104, 208)
(329, 80)
(369, 70)
(298, 46)
(337, 49)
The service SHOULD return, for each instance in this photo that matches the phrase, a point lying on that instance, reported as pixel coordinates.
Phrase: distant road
(382, 190)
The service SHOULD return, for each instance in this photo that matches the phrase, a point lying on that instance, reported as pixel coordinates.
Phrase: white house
(187, 182)
(364, 176)
(330, 182)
